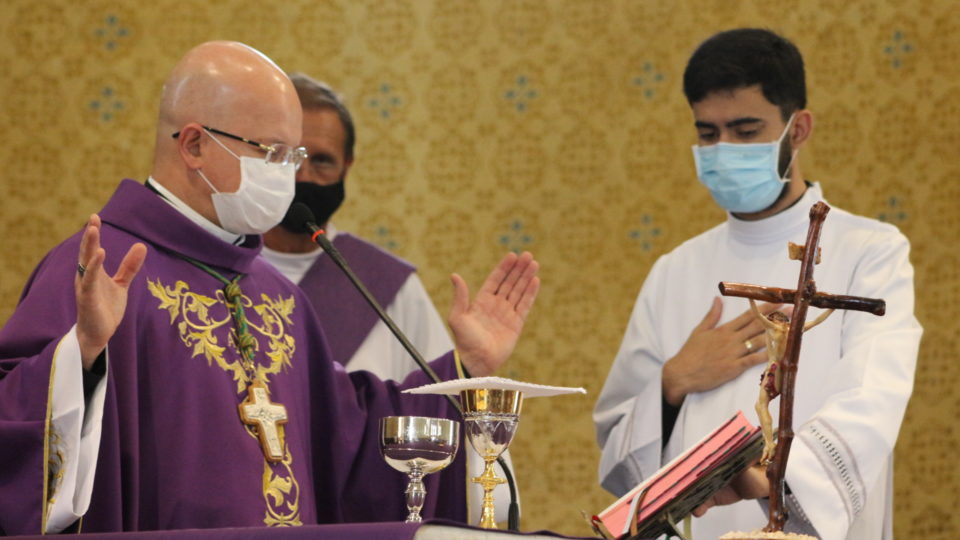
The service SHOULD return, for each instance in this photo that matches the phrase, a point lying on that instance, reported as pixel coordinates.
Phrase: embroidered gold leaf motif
(54, 465)
(197, 325)
(279, 354)
(204, 344)
(169, 302)
(198, 321)
(277, 488)
(282, 307)
(282, 493)
(198, 304)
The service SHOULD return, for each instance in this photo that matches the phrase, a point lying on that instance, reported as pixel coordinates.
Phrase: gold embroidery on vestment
(196, 327)
(190, 312)
(47, 450)
(54, 465)
(279, 486)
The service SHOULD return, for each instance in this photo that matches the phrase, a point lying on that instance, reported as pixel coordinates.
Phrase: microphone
(301, 218)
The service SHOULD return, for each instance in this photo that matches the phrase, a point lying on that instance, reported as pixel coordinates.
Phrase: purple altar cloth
(343, 531)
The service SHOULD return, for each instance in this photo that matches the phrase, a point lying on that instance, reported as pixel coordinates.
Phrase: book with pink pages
(685, 483)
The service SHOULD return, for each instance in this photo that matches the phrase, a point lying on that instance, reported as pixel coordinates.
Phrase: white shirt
(854, 379)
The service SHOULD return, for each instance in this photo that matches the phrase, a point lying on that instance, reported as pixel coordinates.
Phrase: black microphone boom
(301, 218)
(300, 213)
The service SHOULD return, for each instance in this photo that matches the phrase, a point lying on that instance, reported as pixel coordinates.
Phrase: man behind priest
(119, 396)
(680, 373)
(357, 338)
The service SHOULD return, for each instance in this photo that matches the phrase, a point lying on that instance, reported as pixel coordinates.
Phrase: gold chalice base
(490, 420)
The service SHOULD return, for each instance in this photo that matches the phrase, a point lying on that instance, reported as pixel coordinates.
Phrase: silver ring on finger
(81, 269)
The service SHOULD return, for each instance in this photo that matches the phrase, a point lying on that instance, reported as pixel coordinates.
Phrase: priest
(158, 374)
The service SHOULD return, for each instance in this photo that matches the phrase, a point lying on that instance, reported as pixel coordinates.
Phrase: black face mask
(323, 201)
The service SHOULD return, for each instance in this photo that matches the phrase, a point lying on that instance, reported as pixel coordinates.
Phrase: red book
(686, 482)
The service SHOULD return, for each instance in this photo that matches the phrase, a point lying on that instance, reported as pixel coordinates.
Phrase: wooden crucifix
(804, 296)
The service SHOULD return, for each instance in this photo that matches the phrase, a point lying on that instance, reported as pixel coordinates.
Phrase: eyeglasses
(279, 154)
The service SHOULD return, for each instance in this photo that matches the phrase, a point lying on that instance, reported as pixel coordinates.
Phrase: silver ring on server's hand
(81, 269)
(746, 343)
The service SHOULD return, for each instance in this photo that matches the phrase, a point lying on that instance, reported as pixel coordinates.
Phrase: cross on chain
(256, 410)
(266, 418)
(802, 297)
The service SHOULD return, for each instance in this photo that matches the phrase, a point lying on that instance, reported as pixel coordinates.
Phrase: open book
(688, 481)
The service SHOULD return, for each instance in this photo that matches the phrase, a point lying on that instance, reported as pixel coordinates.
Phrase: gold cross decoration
(804, 296)
(266, 418)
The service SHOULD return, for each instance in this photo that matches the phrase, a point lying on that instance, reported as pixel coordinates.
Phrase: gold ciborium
(490, 419)
(418, 445)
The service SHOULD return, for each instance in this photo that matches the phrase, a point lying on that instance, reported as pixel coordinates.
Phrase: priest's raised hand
(101, 299)
(486, 330)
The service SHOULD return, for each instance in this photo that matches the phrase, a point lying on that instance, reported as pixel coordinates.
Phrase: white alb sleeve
(74, 438)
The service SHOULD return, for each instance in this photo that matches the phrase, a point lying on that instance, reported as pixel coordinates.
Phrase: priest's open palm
(101, 299)
(486, 330)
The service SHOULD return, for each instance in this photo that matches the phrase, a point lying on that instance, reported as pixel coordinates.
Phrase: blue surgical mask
(742, 177)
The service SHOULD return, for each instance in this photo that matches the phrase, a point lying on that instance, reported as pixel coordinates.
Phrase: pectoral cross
(266, 418)
(804, 296)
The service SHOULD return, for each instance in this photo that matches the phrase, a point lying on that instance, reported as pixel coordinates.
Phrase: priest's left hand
(486, 330)
(752, 483)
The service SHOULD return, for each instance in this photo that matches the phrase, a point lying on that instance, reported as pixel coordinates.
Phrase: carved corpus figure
(776, 325)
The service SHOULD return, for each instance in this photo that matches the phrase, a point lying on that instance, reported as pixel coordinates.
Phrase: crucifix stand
(804, 296)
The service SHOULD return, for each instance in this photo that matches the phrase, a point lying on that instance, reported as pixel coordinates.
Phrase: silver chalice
(418, 445)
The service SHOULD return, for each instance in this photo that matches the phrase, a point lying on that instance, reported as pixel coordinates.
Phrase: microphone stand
(320, 238)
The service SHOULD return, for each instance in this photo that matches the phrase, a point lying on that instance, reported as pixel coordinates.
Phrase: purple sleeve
(28, 342)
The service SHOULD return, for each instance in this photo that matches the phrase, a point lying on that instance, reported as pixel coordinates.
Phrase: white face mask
(265, 193)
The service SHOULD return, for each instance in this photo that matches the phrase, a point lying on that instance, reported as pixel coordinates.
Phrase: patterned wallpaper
(554, 126)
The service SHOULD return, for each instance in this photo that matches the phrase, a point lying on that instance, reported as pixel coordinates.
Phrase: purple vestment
(344, 314)
(174, 453)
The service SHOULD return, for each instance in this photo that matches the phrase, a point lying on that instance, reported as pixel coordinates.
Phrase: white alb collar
(778, 227)
(194, 216)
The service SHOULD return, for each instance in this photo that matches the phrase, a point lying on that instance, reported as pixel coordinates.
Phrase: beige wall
(555, 126)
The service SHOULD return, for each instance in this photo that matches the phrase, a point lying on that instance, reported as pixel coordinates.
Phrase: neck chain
(263, 417)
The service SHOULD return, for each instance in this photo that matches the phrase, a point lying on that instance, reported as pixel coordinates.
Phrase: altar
(433, 529)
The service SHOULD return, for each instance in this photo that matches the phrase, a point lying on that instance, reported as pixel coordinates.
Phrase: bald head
(215, 80)
(227, 86)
